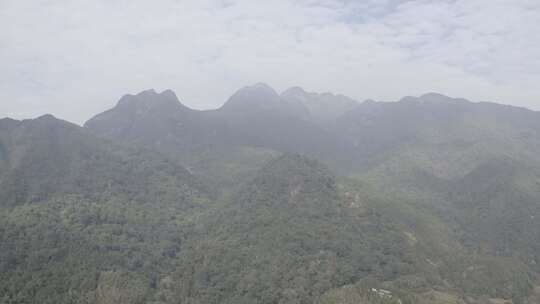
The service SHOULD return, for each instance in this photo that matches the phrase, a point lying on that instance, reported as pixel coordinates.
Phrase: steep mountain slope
(433, 134)
(83, 220)
(226, 168)
(147, 114)
(441, 202)
(463, 235)
(287, 237)
(497, 206)
(47, 157)
(261, 98)
(322, 108)
(295, 234)
(253, 116)
(444, 136)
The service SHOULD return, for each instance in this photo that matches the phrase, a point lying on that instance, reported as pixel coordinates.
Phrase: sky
(76, 58)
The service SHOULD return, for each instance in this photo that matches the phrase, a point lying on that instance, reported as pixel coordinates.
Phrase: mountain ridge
(432, 199)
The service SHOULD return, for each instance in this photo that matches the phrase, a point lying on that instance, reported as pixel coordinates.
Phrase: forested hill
(81, 217)
(45, 158)
(295, 197)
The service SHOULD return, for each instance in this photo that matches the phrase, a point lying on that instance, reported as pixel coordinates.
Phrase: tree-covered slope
(436, 201)
(47, 157)
(85, 221)
(287, 237)
(438, 135)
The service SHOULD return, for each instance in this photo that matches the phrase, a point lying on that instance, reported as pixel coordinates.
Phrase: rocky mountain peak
(150, 99)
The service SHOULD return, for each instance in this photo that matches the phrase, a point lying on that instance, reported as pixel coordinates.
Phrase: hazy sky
(76, 58)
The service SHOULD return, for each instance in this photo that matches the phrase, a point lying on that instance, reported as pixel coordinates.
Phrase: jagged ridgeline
(295, 197)
(255, 116)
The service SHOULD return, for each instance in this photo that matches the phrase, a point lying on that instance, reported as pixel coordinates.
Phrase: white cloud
(76, 58)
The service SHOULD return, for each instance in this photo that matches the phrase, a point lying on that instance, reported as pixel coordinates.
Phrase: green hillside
(82, 219)
(426, 200)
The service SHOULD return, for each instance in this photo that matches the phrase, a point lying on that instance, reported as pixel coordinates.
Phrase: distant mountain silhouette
(334, 128)
(320, 107)
(253, 116)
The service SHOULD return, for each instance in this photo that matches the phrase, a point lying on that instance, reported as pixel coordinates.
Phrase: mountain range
(295, 197)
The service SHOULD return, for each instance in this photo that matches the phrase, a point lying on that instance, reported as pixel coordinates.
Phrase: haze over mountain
(319, 107)
(58, 59)
(394, 159)
(253, 116)
(351, 136)
(273, 198)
